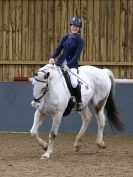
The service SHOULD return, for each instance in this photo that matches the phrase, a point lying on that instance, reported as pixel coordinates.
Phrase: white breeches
(74, 80)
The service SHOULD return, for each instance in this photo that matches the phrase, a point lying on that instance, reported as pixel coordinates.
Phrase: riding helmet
(76, 21)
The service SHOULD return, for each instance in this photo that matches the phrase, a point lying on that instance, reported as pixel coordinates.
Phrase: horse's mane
(46, 67)
(53, 69)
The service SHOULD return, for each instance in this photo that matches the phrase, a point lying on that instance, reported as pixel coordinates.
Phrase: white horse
(51, 97)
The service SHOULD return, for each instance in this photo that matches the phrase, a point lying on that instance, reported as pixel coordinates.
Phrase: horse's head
(40, 85)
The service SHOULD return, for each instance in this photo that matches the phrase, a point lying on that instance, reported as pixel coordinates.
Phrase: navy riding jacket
(72, 46)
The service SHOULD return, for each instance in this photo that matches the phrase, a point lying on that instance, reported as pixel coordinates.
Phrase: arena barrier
(17, 113)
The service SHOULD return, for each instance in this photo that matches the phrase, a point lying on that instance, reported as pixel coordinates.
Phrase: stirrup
(79, 106)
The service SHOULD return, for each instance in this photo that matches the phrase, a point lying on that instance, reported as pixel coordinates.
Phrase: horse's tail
(112, 112)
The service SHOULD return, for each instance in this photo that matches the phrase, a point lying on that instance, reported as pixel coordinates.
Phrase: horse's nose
(34, 104)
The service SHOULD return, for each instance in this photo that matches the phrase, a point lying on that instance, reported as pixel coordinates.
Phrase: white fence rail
(124, 81)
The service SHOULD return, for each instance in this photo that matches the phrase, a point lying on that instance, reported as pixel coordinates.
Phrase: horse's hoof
(45, 156)
(101, 145)
(44, 146)
(77, 148)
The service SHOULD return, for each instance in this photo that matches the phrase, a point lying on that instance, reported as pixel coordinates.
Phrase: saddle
(71, 103)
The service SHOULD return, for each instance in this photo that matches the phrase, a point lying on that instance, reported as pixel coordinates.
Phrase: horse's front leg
(52, 135)
(38, 119)
(86, 118)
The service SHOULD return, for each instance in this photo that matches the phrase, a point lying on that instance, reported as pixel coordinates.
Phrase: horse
(51, 98)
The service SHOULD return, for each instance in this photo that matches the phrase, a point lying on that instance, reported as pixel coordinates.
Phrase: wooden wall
(31, 29)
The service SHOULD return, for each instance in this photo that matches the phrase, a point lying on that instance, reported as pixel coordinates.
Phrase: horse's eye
(43, 89)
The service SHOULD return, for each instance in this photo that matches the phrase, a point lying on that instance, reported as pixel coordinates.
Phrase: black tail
(112, 113)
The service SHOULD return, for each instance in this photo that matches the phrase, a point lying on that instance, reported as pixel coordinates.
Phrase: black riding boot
(77, 93)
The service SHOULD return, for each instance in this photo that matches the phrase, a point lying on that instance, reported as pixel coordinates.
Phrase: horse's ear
(34, 73)
(46, 75)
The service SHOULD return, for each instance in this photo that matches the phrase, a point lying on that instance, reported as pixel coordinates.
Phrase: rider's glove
(51, 61)
(66, 68)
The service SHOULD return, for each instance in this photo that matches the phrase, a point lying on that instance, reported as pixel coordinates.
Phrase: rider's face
(74, 29)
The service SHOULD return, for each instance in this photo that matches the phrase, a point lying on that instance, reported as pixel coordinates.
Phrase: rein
(40, 80)
(38, 99)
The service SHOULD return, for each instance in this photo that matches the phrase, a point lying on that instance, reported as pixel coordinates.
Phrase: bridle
(46, 82)
(46, 89)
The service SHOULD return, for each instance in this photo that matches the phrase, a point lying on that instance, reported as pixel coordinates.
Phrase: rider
(72, 46)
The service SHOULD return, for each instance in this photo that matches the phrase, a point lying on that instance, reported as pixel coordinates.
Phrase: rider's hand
(51, 61)
(66, 68)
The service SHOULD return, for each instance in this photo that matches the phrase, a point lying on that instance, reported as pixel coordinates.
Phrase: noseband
(45, 91)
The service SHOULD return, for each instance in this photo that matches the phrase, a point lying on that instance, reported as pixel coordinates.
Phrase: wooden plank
(110, 24)
(1, 39)
(116, 47)
(25, 34)
(96, 31)
(38, 30)
(83, 7)
(31, 30)
(123, 36)
(123, 19)
(25, 30)
(1, 31)
(103, 30)
(70, 14)
(130, 31)
(89, 31)
(18, 35)
(45, 30)
(64, 21)
(5, 30)
(57, 25)
(51, 19)
(77, 8)
(18, 29)
(110, 30)
(5, 36)
(116, 28)
(11, 12)
(130, 37)
(12, 40)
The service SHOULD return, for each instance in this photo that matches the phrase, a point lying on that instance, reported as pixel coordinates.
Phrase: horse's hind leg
(99, 112)
(38, 119)
(86, 118)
